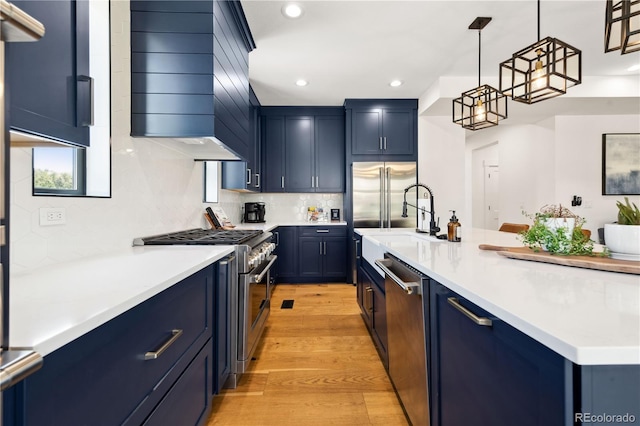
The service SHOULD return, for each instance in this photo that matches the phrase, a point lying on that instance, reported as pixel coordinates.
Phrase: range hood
(189, 88)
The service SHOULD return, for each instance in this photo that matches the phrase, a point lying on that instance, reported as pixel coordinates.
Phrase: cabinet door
(287, 251)
(299, 160)
(366, 131)
(490, 375)
(365, 296)
(222, 333)
(49, 83)
(335, 257)
(273, 158)
(329, 154)
(310, 251)
(398, 131)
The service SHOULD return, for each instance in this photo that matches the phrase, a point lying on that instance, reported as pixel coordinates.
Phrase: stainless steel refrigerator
(378, 193)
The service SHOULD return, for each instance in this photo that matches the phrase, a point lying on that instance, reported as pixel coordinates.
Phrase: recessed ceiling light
(635, 67)
(292, 10)
(395, 83)
(301, 82)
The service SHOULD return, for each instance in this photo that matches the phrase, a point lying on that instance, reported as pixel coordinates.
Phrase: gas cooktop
(199, 236)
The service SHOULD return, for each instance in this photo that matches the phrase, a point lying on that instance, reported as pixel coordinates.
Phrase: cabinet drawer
(187, 403)
(322, 231)
(105, 371)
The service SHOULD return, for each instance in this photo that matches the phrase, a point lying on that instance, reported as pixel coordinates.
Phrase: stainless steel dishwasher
(407, 347)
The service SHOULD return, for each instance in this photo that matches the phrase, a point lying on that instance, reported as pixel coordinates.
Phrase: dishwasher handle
(408, 287)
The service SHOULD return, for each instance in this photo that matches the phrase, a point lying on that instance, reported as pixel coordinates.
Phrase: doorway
(485, 187)
(491, 196)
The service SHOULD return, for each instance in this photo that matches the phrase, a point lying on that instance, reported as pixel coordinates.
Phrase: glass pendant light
(622, 26)
(483, 106)
(544, 70)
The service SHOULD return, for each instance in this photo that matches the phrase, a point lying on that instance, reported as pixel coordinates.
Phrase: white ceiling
(353, 49)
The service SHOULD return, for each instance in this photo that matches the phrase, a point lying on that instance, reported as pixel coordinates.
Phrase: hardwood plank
(315, 365)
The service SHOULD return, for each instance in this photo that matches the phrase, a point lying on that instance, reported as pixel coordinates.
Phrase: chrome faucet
(433, 226)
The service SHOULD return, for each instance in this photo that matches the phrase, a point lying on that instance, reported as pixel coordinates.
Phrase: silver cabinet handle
(282, 182)
(320, 248)
(385, 143)
(313, 182)
(317, 183)
(357, 249)
(409, 288)
(380, 143)
(156, 354)
(322, 231)
(453, 301)
(248, 176)
(325, 247)
(257, 180)
(369, 299)
(277, 234)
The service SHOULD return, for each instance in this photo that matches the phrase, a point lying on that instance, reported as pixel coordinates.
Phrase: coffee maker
(254, 212)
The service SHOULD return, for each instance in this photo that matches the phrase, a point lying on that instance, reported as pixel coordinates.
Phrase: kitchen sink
(375, 246)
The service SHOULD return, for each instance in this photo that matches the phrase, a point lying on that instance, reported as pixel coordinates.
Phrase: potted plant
(557, 230)
(623, 238)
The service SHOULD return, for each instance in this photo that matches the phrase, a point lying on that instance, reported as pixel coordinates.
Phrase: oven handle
(257, 278)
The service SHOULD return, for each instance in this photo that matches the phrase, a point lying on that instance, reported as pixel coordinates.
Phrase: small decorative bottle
(453, 228)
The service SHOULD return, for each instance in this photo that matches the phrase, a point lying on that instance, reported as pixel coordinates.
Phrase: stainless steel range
(250, 292)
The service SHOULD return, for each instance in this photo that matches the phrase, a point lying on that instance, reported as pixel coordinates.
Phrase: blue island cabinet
(487, 373)
(151, 365)
(49, 83)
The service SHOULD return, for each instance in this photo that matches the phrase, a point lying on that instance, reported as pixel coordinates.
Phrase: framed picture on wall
(621, 164)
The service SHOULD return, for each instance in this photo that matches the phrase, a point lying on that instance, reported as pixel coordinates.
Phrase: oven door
(254, 299)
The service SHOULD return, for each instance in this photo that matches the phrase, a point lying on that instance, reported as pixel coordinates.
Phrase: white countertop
(52, 306)
(590, 317)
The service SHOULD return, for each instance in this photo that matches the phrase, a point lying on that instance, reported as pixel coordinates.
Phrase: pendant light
(544, 70)
(483, 106)
(622, 26)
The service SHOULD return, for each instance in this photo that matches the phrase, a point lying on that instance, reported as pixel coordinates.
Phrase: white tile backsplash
(154, 189)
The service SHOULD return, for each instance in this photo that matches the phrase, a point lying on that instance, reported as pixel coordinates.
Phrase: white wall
(543, 163)
(441, 166)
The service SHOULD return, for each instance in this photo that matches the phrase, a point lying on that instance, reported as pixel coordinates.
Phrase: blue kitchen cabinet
(303, 149)
(226, 277)
(246, 175)
(273, 131)
(372, 302)
(382, 129)
(110, 376)
(287, 252)
(322, 253)
(190, 72)
(489, 375)
(49, 84)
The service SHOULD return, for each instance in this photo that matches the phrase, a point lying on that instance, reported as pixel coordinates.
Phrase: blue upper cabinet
(382, 129)
(49, 85)
(190, 72)
(303, 149)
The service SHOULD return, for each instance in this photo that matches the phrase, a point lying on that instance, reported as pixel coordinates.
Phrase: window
(59, 171)
(210, 181)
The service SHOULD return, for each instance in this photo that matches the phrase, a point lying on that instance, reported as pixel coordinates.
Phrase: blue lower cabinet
(110, 376)
(287, 251)
(322, 253)
(488, 375)
(227, 273)
(373, 306)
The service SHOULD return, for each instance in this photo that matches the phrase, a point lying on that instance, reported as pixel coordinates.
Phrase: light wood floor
(316, 365)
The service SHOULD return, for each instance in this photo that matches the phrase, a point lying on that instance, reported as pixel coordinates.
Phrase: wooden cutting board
(589, 262)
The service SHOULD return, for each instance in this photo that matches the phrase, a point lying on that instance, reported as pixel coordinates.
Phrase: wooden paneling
(316, 365)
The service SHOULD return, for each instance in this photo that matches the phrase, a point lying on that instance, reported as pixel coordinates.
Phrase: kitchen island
(568, 337)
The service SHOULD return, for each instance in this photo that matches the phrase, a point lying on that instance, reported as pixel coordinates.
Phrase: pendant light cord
(538, 20)
(479, 54)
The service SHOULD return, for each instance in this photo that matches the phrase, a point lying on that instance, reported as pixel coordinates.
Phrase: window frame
(80, 174)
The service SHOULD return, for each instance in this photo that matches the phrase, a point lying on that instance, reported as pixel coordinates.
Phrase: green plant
(556, 241)
(628, 214)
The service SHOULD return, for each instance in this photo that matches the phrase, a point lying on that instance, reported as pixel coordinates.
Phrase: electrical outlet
(52, 216)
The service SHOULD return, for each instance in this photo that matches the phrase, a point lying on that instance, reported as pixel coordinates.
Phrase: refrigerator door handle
(388, 203)
(382, 196)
